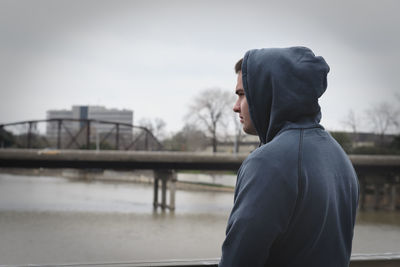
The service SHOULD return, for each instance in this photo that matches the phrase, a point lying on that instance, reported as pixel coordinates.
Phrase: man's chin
(249, 130)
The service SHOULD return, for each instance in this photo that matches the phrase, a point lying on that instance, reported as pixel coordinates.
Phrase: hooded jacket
(296, 195)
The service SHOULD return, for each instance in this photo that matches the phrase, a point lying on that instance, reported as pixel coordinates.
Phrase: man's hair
(238, 66)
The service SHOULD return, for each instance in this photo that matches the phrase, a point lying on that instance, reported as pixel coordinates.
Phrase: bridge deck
(83, 159)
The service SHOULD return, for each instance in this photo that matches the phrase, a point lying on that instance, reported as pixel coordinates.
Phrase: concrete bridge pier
(361, 181)
(393, 197)
(383, 191)
(393, 192)
(378, 193)
(164, 176)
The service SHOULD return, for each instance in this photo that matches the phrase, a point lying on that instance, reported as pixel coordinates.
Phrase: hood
(282, 86)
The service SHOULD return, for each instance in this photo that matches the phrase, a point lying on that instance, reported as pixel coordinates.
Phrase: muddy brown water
(46, 220)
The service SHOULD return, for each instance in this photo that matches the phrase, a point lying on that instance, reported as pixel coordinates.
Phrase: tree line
(209, 120)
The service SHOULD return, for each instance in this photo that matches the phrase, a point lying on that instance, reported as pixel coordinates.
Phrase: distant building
(52, 128)
(112, 115)
(99, 113)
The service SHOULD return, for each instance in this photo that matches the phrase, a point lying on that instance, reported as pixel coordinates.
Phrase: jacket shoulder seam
(299, 176)
(299, 184)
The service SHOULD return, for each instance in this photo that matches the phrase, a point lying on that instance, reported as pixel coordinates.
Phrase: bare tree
(397, 95)
(211, 108)
(383, 117)
(353, 122)
(189, 138)
(238, 132)
(156, 126)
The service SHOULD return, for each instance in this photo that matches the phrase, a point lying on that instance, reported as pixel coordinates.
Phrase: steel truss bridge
(80, 134)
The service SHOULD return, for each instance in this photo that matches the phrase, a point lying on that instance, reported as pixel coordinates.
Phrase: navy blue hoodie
(296, 195)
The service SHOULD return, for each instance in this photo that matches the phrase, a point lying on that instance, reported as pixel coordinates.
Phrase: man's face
(242, 107)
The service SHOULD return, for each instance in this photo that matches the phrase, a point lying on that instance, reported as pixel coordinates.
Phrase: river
(45, 220)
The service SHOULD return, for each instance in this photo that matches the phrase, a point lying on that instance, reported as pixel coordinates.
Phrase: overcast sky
(154, 56)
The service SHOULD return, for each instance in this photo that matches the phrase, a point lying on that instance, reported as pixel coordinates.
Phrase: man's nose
(236, 107)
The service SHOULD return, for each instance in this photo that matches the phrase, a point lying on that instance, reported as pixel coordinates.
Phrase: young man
(296, 195)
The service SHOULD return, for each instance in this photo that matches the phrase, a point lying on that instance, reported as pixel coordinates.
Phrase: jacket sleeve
(265, 198)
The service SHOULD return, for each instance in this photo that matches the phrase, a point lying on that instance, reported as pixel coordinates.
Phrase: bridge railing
(357, 260)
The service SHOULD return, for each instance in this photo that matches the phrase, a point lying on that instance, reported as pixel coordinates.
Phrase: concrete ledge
(80, 159)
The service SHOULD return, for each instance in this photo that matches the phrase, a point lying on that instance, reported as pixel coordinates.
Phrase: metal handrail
(357, 260)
